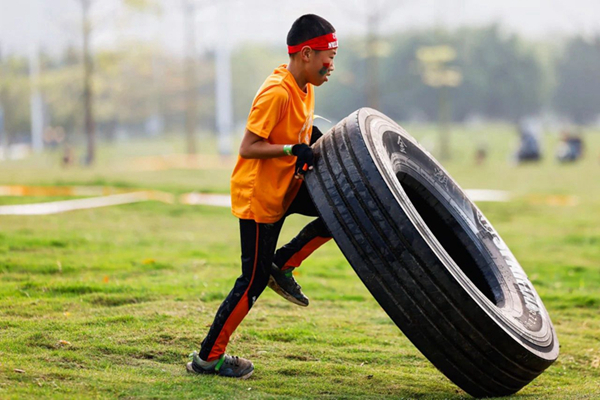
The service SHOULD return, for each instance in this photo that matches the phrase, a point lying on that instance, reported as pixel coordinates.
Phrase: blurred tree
(189, 16)
(404, 95)
(502, 78)
(374, 46)
(578, 73)
(145, 6)
(127, 89)
(124, 85)
(62, 87)
(88, 67)
(251, 64)
(14, 95)
(88, 70)
(436, 72)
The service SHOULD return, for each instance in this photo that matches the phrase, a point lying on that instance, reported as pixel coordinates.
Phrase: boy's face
(320, 66)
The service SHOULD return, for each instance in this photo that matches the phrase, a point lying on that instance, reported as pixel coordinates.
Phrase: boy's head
(312, 43)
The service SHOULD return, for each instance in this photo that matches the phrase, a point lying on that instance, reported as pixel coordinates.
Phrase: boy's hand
(304, 159)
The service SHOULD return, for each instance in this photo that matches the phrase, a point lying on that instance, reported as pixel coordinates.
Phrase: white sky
(56, 22)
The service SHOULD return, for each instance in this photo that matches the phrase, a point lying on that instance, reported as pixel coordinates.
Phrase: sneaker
(228, 366)
(284, 284)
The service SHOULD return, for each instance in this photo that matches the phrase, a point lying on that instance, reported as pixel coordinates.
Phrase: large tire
(429, 257)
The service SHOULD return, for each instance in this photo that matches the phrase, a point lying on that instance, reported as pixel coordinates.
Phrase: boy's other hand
(316, 135)
(304, 159)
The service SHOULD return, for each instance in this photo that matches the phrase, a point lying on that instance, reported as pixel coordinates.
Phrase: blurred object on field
(68, 156)
(529, 148)
(570, 147)
(481, 153)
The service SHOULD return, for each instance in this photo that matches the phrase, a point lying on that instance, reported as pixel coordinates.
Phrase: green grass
(108, 303)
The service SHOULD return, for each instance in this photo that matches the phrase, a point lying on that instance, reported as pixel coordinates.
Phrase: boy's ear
(306, 53)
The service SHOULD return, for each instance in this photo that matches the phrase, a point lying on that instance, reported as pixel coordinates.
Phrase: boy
(267, 185)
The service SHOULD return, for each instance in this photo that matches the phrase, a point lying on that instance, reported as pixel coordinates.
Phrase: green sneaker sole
(191, 370)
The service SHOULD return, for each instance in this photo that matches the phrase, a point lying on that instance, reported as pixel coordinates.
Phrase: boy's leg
(291, 255)
(258, 244)
(310, 238)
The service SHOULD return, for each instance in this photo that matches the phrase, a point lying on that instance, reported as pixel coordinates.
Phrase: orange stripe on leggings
(305, 251)
(236, 316)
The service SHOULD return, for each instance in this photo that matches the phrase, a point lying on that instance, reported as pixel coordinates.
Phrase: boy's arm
(254, 146)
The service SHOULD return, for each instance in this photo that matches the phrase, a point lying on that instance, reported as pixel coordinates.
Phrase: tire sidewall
(522, 314)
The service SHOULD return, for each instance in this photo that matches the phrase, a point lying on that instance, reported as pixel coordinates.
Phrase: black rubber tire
(429, 257)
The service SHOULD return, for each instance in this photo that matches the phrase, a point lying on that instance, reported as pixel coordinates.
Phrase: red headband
(325, 42)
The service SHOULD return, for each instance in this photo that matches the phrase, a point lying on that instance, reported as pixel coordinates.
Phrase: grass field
(108, 303)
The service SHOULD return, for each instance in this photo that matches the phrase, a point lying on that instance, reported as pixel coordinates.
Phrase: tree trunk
(88, 70)
(190, 77)
(372, 61)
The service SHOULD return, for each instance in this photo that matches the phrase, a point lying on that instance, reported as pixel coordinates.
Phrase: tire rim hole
(452, 237)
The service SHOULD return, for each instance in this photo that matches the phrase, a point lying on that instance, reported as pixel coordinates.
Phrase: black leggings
(258, 253)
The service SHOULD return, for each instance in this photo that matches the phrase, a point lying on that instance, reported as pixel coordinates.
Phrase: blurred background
(83, 80)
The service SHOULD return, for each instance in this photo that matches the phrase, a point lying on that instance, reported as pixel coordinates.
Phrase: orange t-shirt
(262, 190)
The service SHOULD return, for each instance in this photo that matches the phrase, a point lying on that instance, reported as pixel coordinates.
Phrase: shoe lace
(295, 283)
(289, 275)
(232, 360)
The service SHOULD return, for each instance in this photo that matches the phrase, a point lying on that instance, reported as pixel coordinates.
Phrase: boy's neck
(297, 72)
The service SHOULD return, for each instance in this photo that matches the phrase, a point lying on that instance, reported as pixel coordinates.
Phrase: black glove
(304, 157)
(316, 135)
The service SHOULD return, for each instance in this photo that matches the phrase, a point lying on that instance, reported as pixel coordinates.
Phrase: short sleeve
(267, 110)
